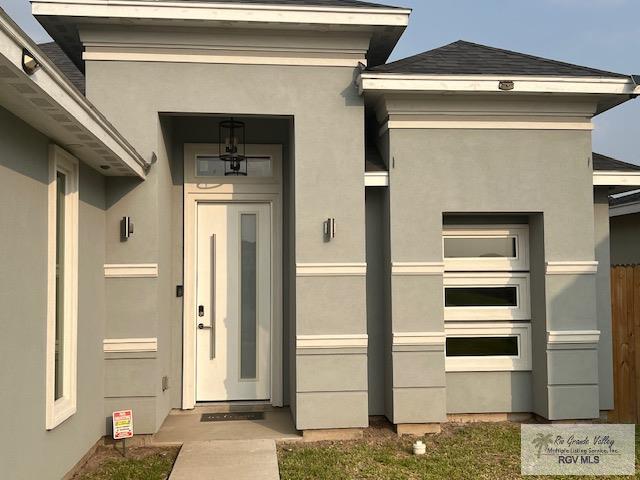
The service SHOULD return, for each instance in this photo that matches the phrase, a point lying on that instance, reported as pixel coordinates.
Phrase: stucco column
(566, 384)
(417, 317)
(331, 323)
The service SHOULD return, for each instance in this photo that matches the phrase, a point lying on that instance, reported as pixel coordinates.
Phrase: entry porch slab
(184, 427)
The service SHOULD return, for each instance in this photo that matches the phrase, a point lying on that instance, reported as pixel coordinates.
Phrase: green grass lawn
(140, 464)
(474, 452)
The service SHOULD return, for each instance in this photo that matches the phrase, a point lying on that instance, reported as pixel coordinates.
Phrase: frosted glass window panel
(60, 273)
(209, 166)
(248, 297)
(480, 247)
(212, 166)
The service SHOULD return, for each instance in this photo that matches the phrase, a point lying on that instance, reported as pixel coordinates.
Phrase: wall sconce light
(126, 228)
(29, 64)
(329, 229)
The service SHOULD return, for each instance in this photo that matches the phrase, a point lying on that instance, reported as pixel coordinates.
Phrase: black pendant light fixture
(232, 147)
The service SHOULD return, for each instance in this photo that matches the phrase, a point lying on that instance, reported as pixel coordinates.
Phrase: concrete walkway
(227, 460)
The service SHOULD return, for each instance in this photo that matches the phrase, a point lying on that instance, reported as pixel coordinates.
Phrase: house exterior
(625, 227)
(418, 239)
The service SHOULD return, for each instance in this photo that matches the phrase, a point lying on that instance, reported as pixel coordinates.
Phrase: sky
(603, 34)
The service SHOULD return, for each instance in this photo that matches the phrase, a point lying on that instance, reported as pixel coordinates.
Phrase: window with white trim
(494, 346)
(486, 295)
(62, 288)
(486, 248)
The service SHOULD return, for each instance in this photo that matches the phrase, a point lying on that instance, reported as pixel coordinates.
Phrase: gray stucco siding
(489, 392)
(24, 167)
(377, 301)
(541, 172)
(476, 171)
(324, 104)
(603, 297)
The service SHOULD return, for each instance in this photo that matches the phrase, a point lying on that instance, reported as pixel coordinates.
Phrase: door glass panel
(248, 296)
(482, 346)
(481, 296)
(478, 247)
(60, 249)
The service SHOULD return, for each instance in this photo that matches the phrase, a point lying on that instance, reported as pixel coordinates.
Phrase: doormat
(229, 417)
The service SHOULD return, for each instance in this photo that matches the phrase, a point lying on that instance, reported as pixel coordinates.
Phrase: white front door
(233, 302)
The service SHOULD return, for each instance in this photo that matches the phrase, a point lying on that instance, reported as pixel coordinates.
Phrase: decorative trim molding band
(228, 57)
(556, 337)
(370, 81)
(419, 339)
(417, 268)
(131, 270)
(376, 179)
(226, 12)
(616, 179)
(572, 268)
(488, 124)
(332, 341)
(331, 269)
(129, 345)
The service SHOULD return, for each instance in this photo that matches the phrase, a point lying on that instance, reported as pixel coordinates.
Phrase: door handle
(202, 326)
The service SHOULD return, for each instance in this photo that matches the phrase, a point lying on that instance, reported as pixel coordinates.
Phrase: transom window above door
(212, 166)
(205, 170)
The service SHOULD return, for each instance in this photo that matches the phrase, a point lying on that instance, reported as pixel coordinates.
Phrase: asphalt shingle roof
(466, 58)
(66, 66)
(602, 162)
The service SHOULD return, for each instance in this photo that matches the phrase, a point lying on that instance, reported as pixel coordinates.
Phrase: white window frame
(522, 311)
(518, 263)
(520, 362)
(57, 411)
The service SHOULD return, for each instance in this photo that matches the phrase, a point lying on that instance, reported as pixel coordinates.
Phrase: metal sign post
(123, 427)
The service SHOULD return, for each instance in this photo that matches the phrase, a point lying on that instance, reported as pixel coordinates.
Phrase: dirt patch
(146, 462)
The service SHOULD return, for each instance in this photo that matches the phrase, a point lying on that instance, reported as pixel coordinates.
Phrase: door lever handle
(202, 326)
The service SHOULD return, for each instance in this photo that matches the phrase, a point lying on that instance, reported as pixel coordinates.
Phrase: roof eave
(386, 23)
(57, 89)
(393, 82)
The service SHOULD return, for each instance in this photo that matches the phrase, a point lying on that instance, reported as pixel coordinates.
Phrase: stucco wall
(28, 450)
(603, 292)
(377, 319)
(543, 173)
(328, 115)
(625, 239)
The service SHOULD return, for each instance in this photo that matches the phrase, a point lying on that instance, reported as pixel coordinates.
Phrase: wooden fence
(625, 301)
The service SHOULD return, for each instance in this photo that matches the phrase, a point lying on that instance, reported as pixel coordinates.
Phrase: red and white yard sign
(122, 424)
